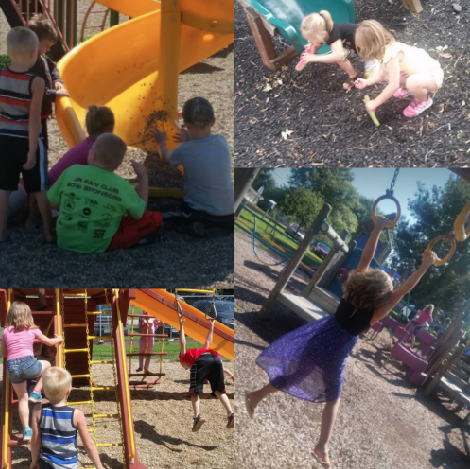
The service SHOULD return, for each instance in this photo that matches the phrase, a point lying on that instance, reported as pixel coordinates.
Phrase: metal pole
(294, 260)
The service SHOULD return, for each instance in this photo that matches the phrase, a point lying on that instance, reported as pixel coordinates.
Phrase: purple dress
(309, 362)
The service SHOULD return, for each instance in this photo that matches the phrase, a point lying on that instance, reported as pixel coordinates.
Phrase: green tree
(264, 178)
(435, 211)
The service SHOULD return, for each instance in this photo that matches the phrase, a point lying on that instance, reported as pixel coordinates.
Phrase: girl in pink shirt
(147, 326)
(99, 120)
(415, 325)
(18, 340)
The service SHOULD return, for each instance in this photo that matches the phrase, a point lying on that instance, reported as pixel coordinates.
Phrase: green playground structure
(284, 17)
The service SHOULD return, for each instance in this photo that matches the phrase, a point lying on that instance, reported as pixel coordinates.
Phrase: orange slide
(161, 304)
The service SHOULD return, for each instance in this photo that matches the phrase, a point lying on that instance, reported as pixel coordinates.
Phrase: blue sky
(372, 183)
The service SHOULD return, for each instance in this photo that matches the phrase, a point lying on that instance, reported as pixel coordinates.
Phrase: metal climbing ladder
(93, 10)
(95, 415)
(145, 383)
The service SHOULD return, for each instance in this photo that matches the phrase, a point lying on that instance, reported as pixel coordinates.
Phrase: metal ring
(388, 197)
(436, 240)
(462, 233)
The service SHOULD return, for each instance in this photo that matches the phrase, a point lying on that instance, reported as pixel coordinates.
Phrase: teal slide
(287, 16)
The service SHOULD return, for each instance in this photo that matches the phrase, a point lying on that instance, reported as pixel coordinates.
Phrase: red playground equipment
(86, 318)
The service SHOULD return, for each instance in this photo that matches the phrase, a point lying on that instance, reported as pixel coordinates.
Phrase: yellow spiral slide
(133, 68)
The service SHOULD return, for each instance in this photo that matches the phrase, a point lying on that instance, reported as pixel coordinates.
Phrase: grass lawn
(283, 241)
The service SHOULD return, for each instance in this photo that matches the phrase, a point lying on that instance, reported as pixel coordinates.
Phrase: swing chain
(389, 192)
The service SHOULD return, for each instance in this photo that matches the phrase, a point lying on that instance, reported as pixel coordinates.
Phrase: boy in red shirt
(204, 363)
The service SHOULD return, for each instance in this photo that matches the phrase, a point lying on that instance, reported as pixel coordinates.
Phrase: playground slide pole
(170, 51)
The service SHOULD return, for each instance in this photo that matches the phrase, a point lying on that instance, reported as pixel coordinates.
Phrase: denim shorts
(23, 368)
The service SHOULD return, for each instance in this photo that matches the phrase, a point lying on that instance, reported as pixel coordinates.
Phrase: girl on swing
(309, 362)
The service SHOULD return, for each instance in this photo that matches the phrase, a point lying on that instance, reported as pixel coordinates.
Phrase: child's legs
(45, 366)
(328, 419)
(4, 197)
(45, 210)
(132, 231)
(420, 84)
(34, 215)
(23, 406)
(142, 349)
(257, 396)
(195, 403)
(225, 401)
(150, 343)
(347, 66)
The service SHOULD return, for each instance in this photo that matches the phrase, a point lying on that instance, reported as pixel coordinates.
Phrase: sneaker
(35, 397)
(401, 93)
(198, 422)
(27, 434)
(231, 420)
(417, 107)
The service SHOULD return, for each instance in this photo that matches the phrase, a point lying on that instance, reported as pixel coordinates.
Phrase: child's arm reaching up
(182, 338)
(80, 423)
(371, 245)
(428, 260)
(210, 335)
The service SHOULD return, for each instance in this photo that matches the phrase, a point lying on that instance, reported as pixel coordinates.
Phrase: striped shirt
(59, 437)
(15, 102)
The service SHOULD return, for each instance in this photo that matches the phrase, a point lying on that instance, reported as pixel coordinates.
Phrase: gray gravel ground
(383, 421)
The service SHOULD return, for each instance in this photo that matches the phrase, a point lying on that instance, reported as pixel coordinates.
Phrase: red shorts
(131, 231)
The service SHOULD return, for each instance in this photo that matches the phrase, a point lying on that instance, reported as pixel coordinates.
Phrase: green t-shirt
(92, 203)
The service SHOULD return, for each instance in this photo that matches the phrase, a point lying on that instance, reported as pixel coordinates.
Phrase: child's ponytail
(316, 25)
(328, 20)
(99, 120)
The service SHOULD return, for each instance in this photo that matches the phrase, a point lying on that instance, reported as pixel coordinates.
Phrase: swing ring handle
(462, 232)
(388, 197)
(436, 240)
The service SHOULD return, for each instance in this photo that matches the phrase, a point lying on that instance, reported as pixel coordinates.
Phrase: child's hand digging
(362, 83)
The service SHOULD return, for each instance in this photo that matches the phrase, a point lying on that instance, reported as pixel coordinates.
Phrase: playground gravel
(162, 422)
(329, 126)
(383, 421)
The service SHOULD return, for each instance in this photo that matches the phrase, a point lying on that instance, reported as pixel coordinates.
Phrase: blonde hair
(316, 24)
(99, 120)
(429, 309)
(368, 289)
(56, 383)
(21, 42)
(372, 39)
(110, 150)
(19, 316)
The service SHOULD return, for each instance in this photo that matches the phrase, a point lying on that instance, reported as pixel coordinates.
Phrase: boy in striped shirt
(21, 148)
(55, 425)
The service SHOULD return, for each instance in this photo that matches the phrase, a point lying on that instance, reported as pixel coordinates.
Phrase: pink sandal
(309, 49)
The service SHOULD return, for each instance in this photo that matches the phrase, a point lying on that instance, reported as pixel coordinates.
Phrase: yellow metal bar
(96, 313)
(126, 377)
(95, 337)
(75, 295)
(75, 350)
(79, 403)
(107, 445)
(194, 290)
(104, 388)
(103, 416)
(101, 362)
(80, 376)
(7, 402)
(75, 325)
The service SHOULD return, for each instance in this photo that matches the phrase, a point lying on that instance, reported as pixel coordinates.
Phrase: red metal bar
(148, 335)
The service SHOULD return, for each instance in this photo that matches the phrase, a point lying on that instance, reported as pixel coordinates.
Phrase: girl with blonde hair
(309, 362)
(18, 340)
(319, 29)
(408, 70)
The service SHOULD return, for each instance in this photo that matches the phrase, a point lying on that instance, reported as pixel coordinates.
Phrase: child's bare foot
(321, 455)
(350, 83)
